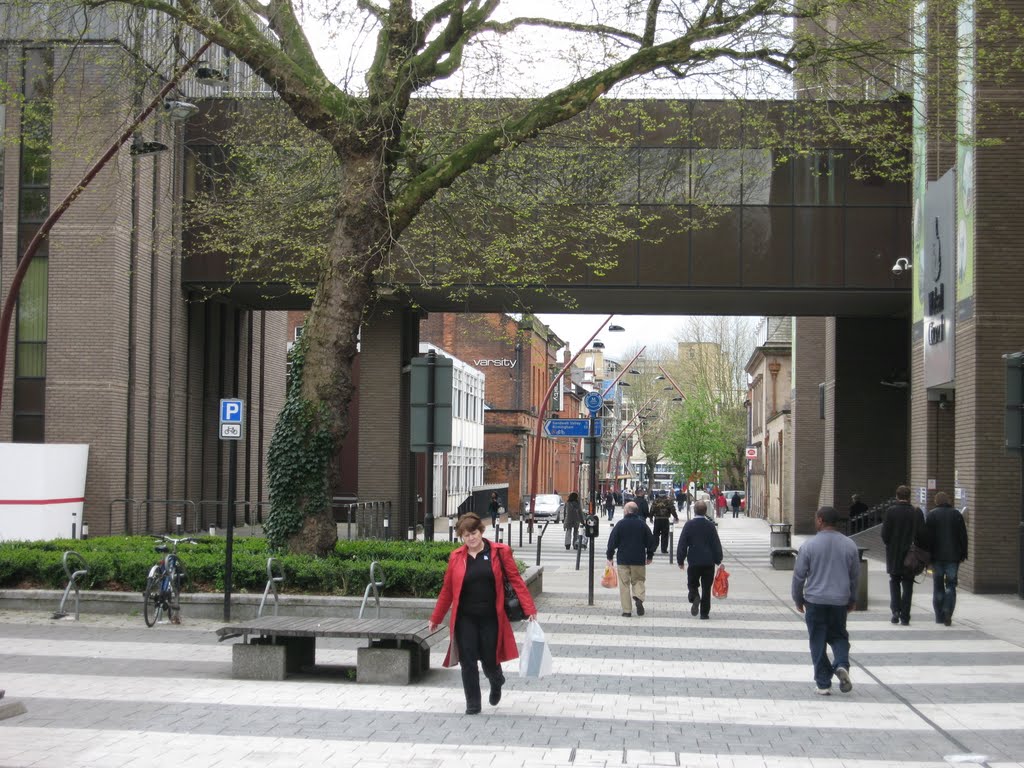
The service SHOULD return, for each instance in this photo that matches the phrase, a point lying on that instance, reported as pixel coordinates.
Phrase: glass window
(663, 175)
(818, 178)
(716, 176)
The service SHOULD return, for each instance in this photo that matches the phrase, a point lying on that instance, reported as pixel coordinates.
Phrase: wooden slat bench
(398, 654)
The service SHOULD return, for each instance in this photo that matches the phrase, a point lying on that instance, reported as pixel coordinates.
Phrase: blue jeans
(944, 579)
(826, 625)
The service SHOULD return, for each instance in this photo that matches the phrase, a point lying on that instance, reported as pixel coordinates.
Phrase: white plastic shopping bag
(535, 653)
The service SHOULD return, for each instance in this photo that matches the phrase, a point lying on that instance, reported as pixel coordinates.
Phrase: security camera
(180, 110)
(901, 266)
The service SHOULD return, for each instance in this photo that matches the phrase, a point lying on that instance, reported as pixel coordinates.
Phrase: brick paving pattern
(663, 689)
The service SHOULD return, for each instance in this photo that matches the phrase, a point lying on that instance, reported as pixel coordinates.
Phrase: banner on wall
(937, 281)
(42, 490)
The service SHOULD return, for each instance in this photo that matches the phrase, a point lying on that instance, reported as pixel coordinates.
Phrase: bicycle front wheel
(152, 604)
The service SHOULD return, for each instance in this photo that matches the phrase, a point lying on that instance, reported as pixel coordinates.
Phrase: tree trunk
(345, 290)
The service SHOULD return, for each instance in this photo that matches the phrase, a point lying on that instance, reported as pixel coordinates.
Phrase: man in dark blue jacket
(635, 545)
(699, 544)
(947, 538)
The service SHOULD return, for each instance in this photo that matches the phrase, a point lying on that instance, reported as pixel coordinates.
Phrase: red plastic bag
(721, 586)
(610, 578)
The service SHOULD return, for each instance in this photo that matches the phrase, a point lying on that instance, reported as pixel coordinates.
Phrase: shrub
(123, 562)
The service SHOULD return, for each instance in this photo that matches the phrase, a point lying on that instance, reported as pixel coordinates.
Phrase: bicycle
(163, 584)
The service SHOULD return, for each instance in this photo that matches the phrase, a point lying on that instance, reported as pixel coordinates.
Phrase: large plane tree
(571, 53)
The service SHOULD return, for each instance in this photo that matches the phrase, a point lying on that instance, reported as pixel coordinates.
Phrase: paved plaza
(664, 689)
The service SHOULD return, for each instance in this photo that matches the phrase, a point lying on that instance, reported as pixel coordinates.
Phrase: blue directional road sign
(231, 419)
(571, 427)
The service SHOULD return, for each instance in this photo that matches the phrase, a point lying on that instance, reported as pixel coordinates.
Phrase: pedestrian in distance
(947, 541)
(903, 525)
(735, 501)
(631, 547)
(661, 510)
(681, 498)
(573, 520)
(479, 630)
(720, 504)
(699, 546)
(857, 506)
(643, 508)
(494, 509)
(824, 589)
(609, 505)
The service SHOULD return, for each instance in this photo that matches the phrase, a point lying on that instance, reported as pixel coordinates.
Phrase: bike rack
(275, 576)
(75, 567)
(375, 586)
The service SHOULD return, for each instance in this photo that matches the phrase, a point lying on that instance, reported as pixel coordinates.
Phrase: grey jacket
(826, 571)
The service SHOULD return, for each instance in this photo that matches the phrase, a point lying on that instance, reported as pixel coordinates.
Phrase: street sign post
(751, 452)
(571, 428)
(593, 401)
(232, 419)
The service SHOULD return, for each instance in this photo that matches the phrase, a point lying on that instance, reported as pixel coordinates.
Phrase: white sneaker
(845, 684)
(824, 691)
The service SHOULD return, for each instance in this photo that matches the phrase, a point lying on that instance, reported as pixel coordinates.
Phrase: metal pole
(541, 410)
(232, 475)
(428, 513)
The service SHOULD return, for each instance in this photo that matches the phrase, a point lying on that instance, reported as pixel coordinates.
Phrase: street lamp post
(542, 409)
(611, 449)
(56, 213)
(670, 380)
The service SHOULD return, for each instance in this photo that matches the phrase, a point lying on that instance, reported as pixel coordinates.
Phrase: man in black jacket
(643, 508)
(635, 544)
(947, 537)
(700, 545)
(903, 526)
(661, 510)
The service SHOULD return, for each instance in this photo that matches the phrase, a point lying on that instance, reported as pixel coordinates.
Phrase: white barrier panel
(42, 490)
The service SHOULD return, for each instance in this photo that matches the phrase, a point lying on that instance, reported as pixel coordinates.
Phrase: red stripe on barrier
(42, 501)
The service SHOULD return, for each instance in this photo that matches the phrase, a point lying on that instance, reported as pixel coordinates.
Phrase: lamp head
(179, 110)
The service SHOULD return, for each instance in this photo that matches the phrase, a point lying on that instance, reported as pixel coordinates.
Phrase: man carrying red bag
(700, 546)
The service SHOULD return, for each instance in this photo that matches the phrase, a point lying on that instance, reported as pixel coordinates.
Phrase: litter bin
(780, 549)
(862, 581)
(781, 536)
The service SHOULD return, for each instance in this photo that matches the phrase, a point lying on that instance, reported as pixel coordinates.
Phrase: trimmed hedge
(121, 563)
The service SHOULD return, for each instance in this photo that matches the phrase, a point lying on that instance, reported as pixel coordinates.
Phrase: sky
(652, 330)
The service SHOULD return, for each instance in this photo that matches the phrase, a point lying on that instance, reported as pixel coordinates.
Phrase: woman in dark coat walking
(479, 630)
(573, 520)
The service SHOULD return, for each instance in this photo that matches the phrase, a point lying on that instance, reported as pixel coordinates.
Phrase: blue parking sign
(231, 410)
(232, 413)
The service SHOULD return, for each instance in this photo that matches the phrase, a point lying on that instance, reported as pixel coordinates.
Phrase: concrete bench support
(399, 651)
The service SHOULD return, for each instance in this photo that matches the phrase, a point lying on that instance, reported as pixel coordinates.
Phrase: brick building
(518, 359)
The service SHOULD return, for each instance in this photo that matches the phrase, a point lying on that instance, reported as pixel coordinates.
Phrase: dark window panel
(29, 396)
(716, 247)
(871, 237)
(818, 247)
(767, 247)
(28, 429)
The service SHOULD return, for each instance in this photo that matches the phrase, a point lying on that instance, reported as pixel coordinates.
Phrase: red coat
(452, 590)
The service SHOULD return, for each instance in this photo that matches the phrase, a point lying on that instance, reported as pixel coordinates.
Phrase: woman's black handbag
(513, 608)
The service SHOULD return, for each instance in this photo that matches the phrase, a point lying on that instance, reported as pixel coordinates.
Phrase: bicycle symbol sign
(231, 419)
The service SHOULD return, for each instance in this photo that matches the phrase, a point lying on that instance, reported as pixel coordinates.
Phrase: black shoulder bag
(513, 608)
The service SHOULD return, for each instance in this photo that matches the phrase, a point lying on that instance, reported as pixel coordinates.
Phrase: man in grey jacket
(825, 590)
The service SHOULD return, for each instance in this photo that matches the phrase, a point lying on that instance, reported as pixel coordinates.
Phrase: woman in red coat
(479, 629)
